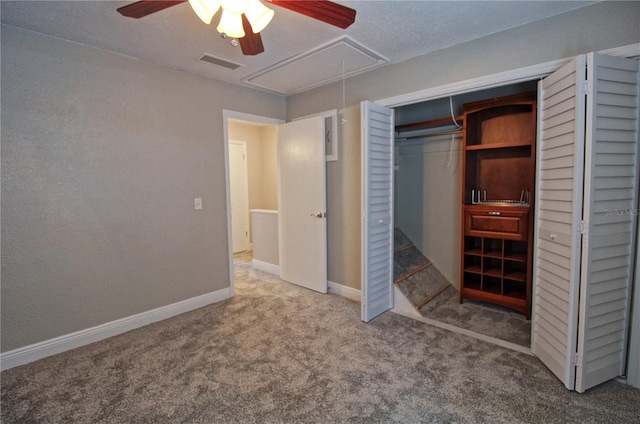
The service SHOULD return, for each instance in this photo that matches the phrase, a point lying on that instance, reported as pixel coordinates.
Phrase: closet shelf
(488, 146)
(434, 123)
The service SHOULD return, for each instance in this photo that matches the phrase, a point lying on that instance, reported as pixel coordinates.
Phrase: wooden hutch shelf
(498, 182)
(499, 146)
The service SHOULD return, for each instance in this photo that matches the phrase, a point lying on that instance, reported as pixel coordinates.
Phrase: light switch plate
(198, 203)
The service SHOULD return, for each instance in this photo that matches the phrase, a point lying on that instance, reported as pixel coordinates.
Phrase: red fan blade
(323, 10)
(251, 44)
(143, 8)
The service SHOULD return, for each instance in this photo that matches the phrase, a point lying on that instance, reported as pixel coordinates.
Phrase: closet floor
(442, 302)
(483, 318)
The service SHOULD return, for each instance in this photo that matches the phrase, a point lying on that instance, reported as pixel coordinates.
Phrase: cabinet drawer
(496, 222)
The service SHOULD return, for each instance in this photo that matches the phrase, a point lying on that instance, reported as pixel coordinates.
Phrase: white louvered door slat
(558, 215)
(377, 210)
(610, 210)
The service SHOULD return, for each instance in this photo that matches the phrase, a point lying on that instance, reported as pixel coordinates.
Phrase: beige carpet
(277, 353)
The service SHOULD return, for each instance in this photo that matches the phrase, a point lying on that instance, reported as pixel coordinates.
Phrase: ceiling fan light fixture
(237, 7)
(258, 15)
(231, 24)
(205, 9)
(234, 21)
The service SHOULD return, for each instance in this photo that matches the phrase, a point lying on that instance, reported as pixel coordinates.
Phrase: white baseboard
(266, 267)
(24, 355)
(345, 291)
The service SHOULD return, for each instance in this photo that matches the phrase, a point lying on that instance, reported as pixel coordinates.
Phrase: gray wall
(600, 26)
(102, 157)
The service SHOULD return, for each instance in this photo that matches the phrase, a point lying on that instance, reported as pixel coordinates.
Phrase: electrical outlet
(198, 203)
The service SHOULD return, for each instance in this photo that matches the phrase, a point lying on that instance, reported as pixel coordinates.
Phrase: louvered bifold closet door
(558, 215)
(610, 215)
(377, 210)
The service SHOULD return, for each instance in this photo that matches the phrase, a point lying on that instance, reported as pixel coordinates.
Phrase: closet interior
(438, 181)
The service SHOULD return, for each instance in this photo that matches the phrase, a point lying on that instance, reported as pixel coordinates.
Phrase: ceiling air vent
(220, 62)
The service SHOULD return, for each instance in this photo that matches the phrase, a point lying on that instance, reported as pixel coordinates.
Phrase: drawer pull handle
(494, 213)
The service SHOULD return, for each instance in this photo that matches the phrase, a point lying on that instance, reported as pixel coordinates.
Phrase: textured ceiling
(295, 45)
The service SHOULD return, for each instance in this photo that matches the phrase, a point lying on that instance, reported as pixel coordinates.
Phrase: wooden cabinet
(498, 187)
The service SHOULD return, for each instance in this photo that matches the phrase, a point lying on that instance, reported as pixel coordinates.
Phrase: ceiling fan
(251, 43)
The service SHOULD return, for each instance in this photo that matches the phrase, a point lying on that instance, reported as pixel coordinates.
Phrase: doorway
(524, 74)
(286, 179)
(253, 191)
(259, 135)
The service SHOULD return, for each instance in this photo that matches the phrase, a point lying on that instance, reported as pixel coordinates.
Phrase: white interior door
(585, 218)
(239, 193)
(302, 207)
(377, 210)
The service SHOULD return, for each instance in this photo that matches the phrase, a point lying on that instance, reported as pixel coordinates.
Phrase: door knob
(318, 214)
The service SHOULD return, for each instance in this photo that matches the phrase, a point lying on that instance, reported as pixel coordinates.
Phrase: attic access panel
(328, 63)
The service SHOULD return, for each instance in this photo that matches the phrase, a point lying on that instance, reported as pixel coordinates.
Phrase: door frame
(247, 117)
(515, 76)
